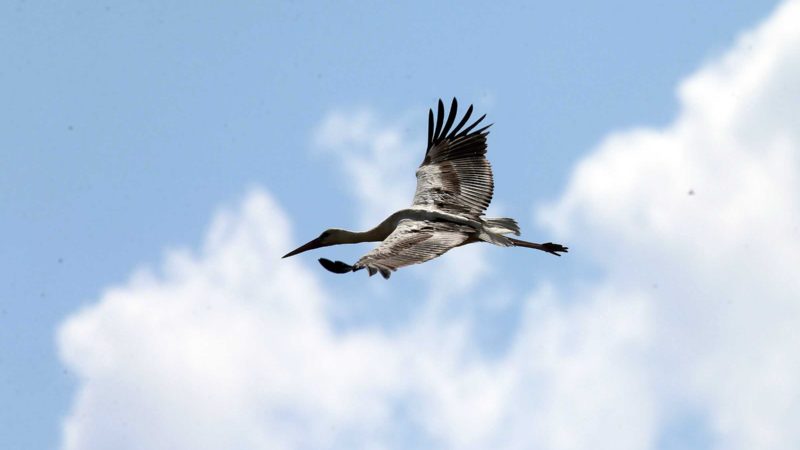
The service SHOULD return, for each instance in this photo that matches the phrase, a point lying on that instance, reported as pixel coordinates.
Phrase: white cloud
(725, 258)
(231, 347)
(226, 349)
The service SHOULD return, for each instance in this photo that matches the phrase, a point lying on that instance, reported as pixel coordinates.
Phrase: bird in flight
(454, 188)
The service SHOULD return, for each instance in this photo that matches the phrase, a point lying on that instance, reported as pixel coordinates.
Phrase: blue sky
(126, 127)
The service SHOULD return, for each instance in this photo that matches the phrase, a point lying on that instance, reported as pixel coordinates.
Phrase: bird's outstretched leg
(336, 267)
(548, 247)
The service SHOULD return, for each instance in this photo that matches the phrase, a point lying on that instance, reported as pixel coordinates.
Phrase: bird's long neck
(376, 234)
(354, 237)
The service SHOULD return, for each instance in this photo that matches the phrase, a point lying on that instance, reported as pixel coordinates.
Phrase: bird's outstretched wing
(455, 175)
(413, 242)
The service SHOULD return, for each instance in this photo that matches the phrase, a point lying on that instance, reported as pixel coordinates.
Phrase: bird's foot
(335, 267)
(554, 249)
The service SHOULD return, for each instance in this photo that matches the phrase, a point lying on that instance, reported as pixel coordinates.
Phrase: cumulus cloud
(695, 230)
(225, 349)
(231, 347)
(707, 211)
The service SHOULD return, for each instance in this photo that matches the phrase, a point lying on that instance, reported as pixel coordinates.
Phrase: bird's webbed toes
(554, 249)
(335, 267)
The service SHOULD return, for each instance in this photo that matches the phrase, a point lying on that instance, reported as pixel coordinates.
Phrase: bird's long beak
(316, 243)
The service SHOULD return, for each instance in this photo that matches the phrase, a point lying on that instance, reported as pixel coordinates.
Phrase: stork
(454, 188)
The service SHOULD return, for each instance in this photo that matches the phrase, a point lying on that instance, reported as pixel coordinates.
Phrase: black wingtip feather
(451, 117)
(461, 124)
(430, 128)
(469, 128)
(439, 121)
(481, 130)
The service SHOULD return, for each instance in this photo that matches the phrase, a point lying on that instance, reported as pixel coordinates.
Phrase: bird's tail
(548, 247)
(502, 225)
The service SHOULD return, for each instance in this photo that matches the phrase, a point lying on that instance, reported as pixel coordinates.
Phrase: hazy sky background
(156, 161)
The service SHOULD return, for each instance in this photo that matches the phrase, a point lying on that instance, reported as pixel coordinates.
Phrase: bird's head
(328, 237)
